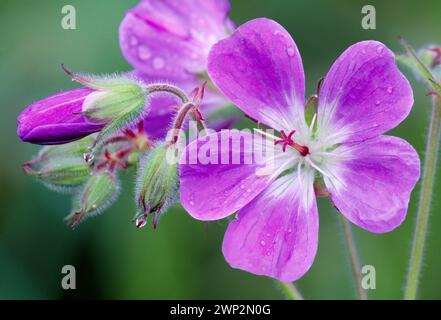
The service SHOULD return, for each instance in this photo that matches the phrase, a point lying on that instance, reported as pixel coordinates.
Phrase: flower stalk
(427, 185)
(290, 291)
(354, 257)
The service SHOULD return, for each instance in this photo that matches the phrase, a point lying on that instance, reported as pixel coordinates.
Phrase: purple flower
(169, 40)
(172, 38)
(57, 119)
(369, 176)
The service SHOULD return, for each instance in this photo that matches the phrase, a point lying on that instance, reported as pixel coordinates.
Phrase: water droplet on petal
(277, 32)
(133, 41)
(242, 186)
(390, 90)
(262, 243)
(289, 230)
(144, 53)
(377, 102)
(380, 49)
(191, 203)
(248, 190)
(158, 63)
(290, 51)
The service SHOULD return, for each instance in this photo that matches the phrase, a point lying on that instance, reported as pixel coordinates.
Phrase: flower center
(287, 141)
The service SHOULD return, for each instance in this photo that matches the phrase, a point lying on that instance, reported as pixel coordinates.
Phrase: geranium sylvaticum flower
(369, 176)
(170, 41)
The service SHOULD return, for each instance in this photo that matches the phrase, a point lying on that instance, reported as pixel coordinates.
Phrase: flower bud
(64, 174)
(106, 104)
(61, 167)
(114, 98)
(156, 186)
(120, 102)
(57, 119)
(428, 56)
(98, 193)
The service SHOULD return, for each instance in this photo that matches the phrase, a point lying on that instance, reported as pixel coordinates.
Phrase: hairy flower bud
(63, 174)
(156, 185)
(106, 104)
(98, 193)
(61, 167)
(118, 101)
(57, 119)
(428, 57)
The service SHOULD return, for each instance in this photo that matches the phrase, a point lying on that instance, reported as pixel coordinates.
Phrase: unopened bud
(425, 63)
(118, 101)
(57, 119)
(62, 167)
(64, 174)
(98, 193)
(156, 187)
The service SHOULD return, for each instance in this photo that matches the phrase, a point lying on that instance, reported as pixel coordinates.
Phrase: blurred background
(182, 258)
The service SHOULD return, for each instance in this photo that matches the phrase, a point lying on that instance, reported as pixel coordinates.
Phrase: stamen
(287, 141)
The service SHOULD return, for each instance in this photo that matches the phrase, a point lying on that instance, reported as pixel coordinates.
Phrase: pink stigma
(287, 141)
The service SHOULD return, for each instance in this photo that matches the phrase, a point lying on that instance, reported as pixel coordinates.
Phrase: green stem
(355, 260)
(290, 290)
(427, 184)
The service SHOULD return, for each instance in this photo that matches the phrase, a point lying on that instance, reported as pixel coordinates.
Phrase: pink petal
(276, 235)
(375, 184)
(363, 95)
(171, 38)
(259, 68)
(211, 191)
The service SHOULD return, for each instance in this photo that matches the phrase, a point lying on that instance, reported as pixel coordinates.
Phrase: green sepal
(98, 193)
(157, 183)
(62, 174)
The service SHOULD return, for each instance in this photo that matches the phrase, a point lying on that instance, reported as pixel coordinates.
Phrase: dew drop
(289, 230)
(242, 186)
(377, 102)
(268, 253)
(144, 53)
(141, 222)
(133, 41)
(380, 49)
(248, 190)
(158, 63)
(390, 90)
(277, 33)
(262, 243)
(191, 203)
(290, 51)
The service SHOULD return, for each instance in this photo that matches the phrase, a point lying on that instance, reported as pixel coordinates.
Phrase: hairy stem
(168, 88)
(290, 291)
(355, 260)
(427, 184)
(179, 121)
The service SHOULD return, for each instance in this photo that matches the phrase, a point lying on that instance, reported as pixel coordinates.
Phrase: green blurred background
(182, 258)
